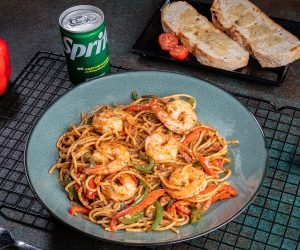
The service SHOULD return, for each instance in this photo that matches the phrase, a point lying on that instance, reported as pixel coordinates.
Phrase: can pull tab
(82, 19)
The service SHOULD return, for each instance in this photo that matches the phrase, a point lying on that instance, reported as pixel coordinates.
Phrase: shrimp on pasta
(147, 165)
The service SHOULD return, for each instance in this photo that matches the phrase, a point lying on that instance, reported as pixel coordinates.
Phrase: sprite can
(84, 38)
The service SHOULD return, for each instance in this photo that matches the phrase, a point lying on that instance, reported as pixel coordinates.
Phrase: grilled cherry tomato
(180, 52)
(167, 41)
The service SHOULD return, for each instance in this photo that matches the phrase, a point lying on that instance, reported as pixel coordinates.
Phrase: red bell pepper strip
(206, 166)
(231, 190)
(181, 207)
(91, 194)
(186, 152)
(140, 107)
(192, 135)
(78, 209)
(149, 199)
(220, 196)
(3, 77)
(5, 69)
(226, 192)
(5, 53)
(76, 187)
(218, 163)
(184, 210)
(208, 189)
(221, 163)
(136, 181)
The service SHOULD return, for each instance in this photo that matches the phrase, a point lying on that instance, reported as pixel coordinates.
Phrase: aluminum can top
(81, 18)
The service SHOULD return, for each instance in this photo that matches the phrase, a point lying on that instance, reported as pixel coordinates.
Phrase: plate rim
(152, 243)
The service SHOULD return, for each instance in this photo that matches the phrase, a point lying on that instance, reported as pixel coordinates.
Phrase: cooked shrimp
(161, 147)
(185, 182)
(120, 192)
(182, 117)
(179, 116)
(113, 156)
(111, 120)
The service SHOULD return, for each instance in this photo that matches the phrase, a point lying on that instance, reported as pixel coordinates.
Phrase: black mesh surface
(272, 221)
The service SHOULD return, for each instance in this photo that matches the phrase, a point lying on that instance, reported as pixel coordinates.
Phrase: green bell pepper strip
(134, 95)
(144, 157)
(191, 101)
(146, 169)
(149, 199)
(132, 219)
(137, 216)
(90, 159)
(89, 121)
(67, 179)
(158, 216)
(147, 191)
(195, 216)
(72, 193)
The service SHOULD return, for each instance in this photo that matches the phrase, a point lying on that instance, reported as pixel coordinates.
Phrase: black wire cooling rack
(272, 221)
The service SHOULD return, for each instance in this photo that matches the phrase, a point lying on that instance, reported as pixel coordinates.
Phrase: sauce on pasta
(149, 165)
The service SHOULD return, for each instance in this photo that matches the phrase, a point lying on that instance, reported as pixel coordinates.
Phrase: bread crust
(279, 57)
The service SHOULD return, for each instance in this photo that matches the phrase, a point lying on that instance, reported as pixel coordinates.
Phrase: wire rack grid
(272, 221)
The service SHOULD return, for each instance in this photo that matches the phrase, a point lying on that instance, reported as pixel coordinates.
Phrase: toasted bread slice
(245, 23)
(209, 45)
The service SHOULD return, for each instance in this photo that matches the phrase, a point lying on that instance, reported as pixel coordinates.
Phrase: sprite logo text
(78, 50)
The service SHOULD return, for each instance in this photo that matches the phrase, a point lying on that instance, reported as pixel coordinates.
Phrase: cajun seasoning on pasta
(149, 165)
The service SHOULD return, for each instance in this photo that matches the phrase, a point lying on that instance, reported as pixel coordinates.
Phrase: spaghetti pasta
(149, 165)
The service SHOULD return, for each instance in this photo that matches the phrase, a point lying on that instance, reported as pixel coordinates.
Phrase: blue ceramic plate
(215, 108)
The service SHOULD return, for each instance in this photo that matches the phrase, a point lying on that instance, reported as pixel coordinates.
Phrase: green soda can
(84, 38)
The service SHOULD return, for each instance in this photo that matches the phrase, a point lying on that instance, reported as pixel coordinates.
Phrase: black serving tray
(147, 45)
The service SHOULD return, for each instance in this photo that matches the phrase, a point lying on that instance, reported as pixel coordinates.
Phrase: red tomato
(167, 41)
(180, 52)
